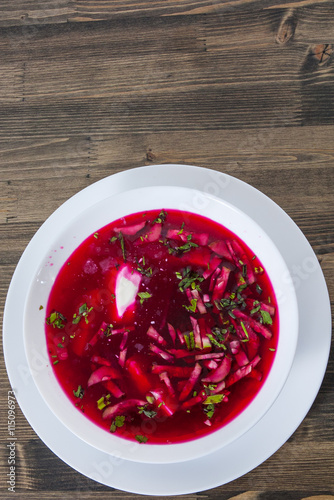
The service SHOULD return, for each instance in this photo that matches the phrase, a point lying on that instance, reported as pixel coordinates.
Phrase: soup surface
(162, 326)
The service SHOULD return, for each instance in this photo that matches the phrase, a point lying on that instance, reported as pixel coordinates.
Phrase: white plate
(273, 429)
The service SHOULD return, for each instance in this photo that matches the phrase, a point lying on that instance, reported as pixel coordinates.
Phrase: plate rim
(124, 176)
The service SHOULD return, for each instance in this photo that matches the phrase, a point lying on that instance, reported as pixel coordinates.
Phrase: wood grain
(89, 88)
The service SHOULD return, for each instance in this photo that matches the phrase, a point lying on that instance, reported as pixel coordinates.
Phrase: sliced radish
(152, 332)
(221, 372)
(102, 374)
(122, 407)
(130, 229)
(194, 376)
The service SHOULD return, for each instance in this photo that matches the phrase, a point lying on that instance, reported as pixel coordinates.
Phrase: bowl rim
(137, 453)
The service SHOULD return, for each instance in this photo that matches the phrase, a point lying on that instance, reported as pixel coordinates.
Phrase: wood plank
(169, 92)
(27, 13)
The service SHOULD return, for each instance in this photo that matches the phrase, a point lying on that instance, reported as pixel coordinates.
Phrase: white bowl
(57, 243)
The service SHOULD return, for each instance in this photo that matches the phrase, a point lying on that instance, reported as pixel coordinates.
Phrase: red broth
(162, 326)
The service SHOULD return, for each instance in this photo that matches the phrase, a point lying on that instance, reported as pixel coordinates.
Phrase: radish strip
(195, 374)
(165, 378)
(165, 355)
(130, 229)
(174, 371)
(210, 355)
(122, 357)
(258, 327)
(102, 374)
(199, 302)
(197, 333)
(113, 389)
(124, 340)
(172, 332)
(221, 372)
(151, 332)
(193, 401)
(100, 361)
(220, 248)
(221, 283)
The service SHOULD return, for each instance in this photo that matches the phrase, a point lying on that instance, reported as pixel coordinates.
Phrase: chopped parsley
(266, 318)
(84, 310)
(79, 392)
(189, 279)
(161, 217)
(214, 399)
(120, 238)
(103, 402)
(141, 439)
(56, 319)
(192, 307)
(148, 413)
(117, 422)
(145, 272)
(144, 296)
(183, 248)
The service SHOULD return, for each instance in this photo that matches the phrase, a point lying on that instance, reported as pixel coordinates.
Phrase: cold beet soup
(162, 326)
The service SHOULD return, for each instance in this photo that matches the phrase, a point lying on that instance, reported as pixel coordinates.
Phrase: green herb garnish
(117, 422)
(161, 218)
(84, 310)
(141, 439)
(148, 413)
(189, 279)
(144, 296)
(214, 399)
(56, 319)
(266, 318)
(79, 392)
(192, 307)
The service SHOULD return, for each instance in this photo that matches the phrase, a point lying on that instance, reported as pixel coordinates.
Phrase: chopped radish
(165, 355)
(165, 402)
(138, 373)
(212, 266)
(211, 364)
(151, 332)
(193, 401)
(100, 360)
(102, 374)
(199, 302)
(210, 355)
(153, 234)
(258, 327)
(221, 372)
(213, 278)
(195, 374)
(165, 378)
(185, 236)
(221, 283)
(124, 340)
(113, 389)
(130, 229)
(220, 248)
(172, 332)
(174, 371)
(123, 406)
(197, 333)
(241, 358)
(181, 353)
(122, 357)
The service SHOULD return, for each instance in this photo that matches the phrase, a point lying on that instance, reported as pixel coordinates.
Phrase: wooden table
(91, 88)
